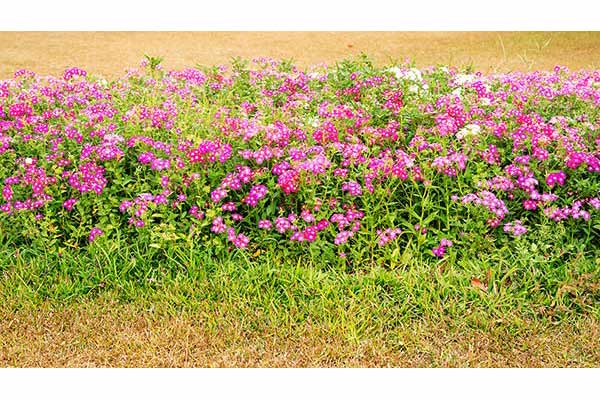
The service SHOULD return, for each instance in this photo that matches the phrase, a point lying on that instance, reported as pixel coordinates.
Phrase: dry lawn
(100, 334)
(110, 53)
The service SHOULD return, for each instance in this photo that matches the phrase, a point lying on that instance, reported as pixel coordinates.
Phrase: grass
(183, 307)
(104, 333)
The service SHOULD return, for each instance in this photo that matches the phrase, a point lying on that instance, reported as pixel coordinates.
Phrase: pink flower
(218, 226)
(353, 188)
(218, 195)
(342, 237)
(68, 204)
(282, 225)
(556, 177)
(256, 194)
(264, 224)
(529, 204)
(384, 237)
(94, 233)
(516, 228)
(289, 181)
(439, 251)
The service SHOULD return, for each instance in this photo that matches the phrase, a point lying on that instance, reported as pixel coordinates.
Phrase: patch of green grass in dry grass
(137, 306)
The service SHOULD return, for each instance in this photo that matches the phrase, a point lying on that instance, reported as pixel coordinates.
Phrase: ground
(110, 53)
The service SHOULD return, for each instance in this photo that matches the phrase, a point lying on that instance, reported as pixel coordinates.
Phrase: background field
(109, 53)
(181, 324)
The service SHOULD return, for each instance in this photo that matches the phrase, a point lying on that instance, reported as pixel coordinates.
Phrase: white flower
(485, 101)
(457, 92)
(444, 69)
(28, 161)
(313, 121)
(396, 71)
(412, 74)
(461, 79)
(418, 88)
(468, 130)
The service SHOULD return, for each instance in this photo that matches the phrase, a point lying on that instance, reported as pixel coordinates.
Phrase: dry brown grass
(109, 53)
(100, 334)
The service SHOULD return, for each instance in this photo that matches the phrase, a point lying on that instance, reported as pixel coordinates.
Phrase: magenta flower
(218, 226)
(353, 188)
(68, 204)
(256, 193)
(94, 233)
(556, 177)
(265, 224)
(440, 250)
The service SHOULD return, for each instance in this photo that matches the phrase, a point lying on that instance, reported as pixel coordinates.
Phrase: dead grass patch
(96, 334)
(109, 53)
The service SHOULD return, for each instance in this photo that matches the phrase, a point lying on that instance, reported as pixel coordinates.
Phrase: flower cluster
(388, 235)
(440, 250)
(515, 227)
(273, 154)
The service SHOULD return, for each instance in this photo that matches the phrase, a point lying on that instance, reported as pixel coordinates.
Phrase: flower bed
(350, 159)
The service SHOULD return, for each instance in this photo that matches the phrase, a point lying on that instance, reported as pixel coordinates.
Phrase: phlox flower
(265, 224)
(515, 227)
(218, 226)
(342, 237)
(384, 237)
(353, 188)
(69, 204)
(94, 233)
(440, 250)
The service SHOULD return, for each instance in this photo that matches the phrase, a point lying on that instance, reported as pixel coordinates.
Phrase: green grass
(522, 285)
(318, 312)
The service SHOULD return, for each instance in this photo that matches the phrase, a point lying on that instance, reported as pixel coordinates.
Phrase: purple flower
(265, 224)
(353, 188)
(218, 226)
(94, 233)
(68, 204)
(342, 237)
(515, 227)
